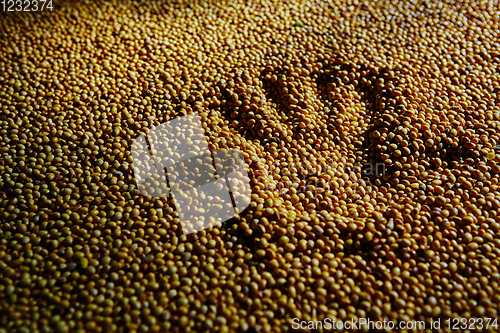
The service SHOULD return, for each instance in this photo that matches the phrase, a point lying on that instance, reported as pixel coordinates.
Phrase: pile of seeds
(369, 130)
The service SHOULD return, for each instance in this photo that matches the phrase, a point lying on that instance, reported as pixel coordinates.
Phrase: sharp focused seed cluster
(303, 89)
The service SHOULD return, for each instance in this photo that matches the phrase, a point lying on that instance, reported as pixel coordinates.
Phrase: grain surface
(369, 129)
